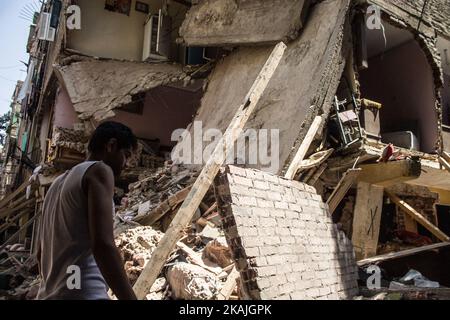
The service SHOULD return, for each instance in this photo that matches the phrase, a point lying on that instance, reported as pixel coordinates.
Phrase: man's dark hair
(109, 130)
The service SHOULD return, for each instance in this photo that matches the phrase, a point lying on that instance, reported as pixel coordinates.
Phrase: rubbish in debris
(418, 279)
(218, 252)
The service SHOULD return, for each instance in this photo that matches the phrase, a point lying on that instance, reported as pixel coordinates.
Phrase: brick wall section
(282, 238)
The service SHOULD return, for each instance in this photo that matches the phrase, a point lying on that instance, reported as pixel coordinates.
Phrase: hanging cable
(422, 14)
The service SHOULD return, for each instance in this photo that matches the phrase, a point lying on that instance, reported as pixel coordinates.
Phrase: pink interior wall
(402, 81)
(64, 115)
(165, 110)
(44, 130)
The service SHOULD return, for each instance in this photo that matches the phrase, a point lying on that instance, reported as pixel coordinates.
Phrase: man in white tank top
(77, 256)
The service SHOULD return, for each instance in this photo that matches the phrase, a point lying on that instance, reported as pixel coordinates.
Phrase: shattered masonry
(282, 238)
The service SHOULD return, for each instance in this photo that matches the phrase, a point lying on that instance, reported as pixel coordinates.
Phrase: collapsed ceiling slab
(237, 22)
(97, 87)
(307, 76)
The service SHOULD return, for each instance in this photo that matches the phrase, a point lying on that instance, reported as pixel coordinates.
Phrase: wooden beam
(402, 254)
(229, 285)
(7, 212)
(163, 208)
(390, 173)
(10, 197)
(207, 175)
(11, 222)
(342, 188)
(444, 163)
(15, 235)
(366, 220)
(418, 217)
(197, 260)
(317, 174)
(446, 156)
(303, 149)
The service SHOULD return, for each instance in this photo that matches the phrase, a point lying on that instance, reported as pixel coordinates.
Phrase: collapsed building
(360, 99)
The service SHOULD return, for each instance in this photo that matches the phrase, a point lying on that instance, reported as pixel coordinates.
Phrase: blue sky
(13, 36)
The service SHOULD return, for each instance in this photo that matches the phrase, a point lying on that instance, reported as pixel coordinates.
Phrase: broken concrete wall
(407, 15)
(97, 87)
(283, 241)
(303, 84)
(238, 22)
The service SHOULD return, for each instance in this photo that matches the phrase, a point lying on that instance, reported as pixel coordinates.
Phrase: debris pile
(196, 270)
(156, 194)
(136, 246)
(69, 138)
(18, 274)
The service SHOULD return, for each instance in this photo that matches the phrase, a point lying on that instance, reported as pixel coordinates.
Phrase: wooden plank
(303, 149)
(444, 163)
(366, 220)
(317, 174)
(402, 254)
(9, 211)
(163, 208)
(342, 188)
(195, 258)
(390, 173)
(229, 285)
(418, 217)
(17, 202)
(12, 222)
(15, 235)
(211, 209)
(10, 197)
(207, 175)
(446, 156)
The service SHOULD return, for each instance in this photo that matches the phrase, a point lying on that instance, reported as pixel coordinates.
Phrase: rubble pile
(152, 190)
(136, 246)
(196, 270)
(19, 278)
(192, 282)
(69, 138)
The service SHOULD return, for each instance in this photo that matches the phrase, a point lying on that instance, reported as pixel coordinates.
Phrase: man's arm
(100, 190)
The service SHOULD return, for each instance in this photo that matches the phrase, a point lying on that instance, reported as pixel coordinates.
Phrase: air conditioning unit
(157, 35)
(45, 31)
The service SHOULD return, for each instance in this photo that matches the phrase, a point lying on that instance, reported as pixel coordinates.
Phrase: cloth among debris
(414, 277)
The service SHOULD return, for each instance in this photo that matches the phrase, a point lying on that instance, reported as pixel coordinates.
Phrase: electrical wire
(422, 14)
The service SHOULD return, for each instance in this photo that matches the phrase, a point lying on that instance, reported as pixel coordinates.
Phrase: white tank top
(67, 262)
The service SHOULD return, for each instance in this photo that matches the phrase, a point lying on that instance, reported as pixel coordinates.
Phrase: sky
(14, 30)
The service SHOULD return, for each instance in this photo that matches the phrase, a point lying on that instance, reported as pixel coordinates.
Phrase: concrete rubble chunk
(227, 22)
(191, 282)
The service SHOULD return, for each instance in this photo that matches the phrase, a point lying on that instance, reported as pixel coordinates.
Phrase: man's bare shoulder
(99, 173)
